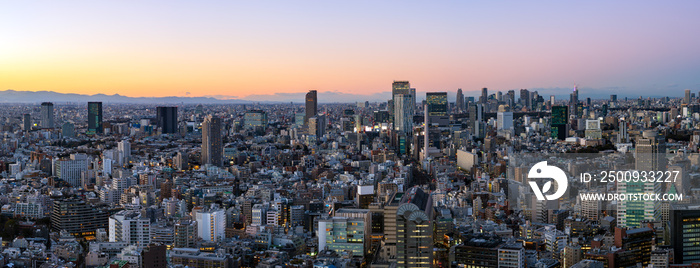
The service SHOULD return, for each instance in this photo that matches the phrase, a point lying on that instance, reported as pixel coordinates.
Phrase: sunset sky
(242, 48)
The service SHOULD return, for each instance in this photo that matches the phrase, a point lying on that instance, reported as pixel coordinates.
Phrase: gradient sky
(241, 48)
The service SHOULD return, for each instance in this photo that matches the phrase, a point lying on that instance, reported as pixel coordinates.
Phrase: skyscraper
(459, 103)
(95, 118)
(167, 119)
(311, 105)
(651, 151)
(504, 120)
(685, 230)
(26, 122)
(212, 148)
(414, 243)
(47, 115)
(403, 113)
(558, 123)
(525, 98)
(484, 95)
(510, 98)
(437, 103)
(573, 102)
(255, 118)
(401, 87)
(686, 98)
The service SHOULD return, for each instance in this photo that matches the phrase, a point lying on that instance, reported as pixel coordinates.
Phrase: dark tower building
(212, 147)
(459, 103)
(559, 120)
(167, 119)
(95, 118)
(47, 115)
(311, 105)
(685, 220)
(484, 95)
(26, 122)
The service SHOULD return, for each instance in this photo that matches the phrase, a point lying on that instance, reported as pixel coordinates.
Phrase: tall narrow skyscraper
(47, 115)
(484, 95)
(212, 147)
(401, 87)
(26, 122)
(95, 118)
(403, 113)
(167, 119)
(311, 105)
(459, 102)
(573, 102)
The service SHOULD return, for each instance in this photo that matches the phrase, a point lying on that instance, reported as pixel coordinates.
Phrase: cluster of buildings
(411, 182)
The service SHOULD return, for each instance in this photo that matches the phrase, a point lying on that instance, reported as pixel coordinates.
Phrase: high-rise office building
(685, 230)
(47, 115)
(70, 170)
(311, 105)
(344, 233)
(95, 118)
(559, 122)
(573, 102)
(403, 113)
(401, 87)
(123, 152)
(317, 125)
(686, 98)
(510, 98)
(212, 147)
(551, 100)
(437, 103)
(504, 120)
(525, 99)
(613, 98)
(622, 135)
(650, 152)
(459, 102)
(631, 212)
(414, 243)
(255, 118)
(167, 119)
(26, 122)
(68, 130)
(484, 95)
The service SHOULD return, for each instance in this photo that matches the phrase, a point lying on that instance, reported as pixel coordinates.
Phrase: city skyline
(232, 50)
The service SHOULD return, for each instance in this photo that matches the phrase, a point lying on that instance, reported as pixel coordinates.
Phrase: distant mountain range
(13, 96)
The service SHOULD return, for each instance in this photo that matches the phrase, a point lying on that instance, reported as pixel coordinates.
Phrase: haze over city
(252, 49)
(364, 134)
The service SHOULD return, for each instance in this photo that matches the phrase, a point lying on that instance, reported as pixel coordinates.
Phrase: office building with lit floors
(77, 217)
(414, 230)
(342, 233)
(478, 250)
(685, 233)
(95, 118)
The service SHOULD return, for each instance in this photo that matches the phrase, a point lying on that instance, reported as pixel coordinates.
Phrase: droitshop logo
(542, 171)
